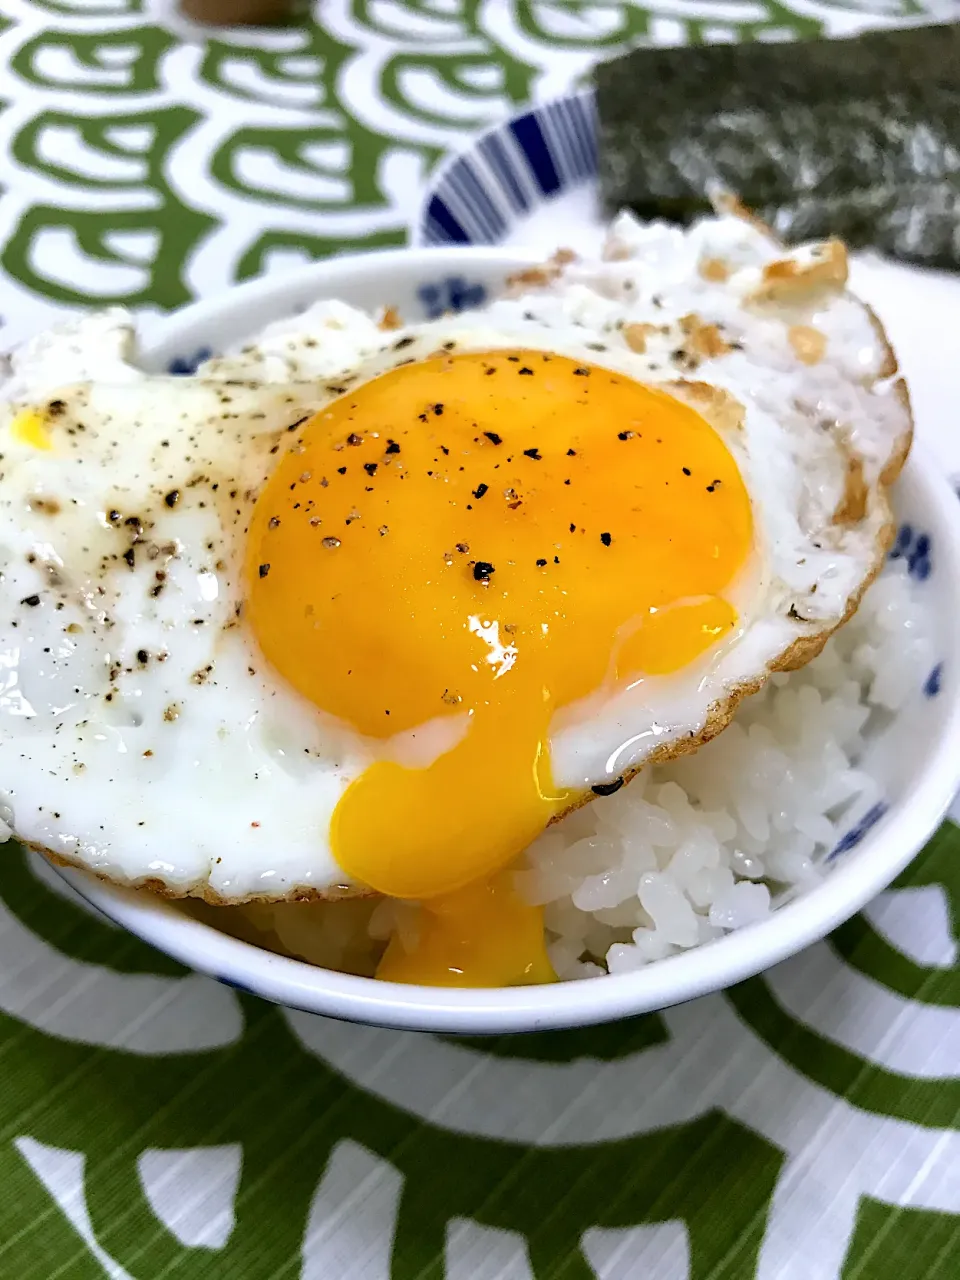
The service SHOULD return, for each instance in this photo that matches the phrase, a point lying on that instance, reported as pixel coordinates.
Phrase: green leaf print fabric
(153, 1123)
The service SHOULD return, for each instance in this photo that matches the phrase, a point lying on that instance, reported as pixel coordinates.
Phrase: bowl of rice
(705, 869)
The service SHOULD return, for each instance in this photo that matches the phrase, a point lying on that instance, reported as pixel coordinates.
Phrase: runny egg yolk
(488, 536)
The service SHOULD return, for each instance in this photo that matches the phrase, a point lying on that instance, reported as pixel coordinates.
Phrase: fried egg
(364, 609)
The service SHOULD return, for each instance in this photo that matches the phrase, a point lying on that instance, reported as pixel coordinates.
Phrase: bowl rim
(316, 278)
(883, 852)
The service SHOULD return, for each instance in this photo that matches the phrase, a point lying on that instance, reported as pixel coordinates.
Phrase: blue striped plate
(509, 172)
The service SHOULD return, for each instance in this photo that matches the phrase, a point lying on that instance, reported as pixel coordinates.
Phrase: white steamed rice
(693, 849)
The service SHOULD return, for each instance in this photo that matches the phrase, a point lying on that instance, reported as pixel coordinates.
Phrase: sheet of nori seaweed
(858, 138)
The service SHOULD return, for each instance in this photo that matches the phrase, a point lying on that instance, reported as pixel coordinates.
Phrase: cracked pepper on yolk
(488, 536)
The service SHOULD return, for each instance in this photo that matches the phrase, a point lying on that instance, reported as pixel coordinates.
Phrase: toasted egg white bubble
(356, 607)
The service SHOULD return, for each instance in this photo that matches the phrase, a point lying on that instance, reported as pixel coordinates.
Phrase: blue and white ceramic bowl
(512, 172)
(916, 757)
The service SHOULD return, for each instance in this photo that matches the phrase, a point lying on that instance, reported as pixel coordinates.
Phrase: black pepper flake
(354, 439)
(581, 373)
(573, 528)
(113, 516)
(56, 407)
(463, 547)
(532, 453)
(370, 468)
(130, 556)
(401, 343)
(438, 410)
(489, 370)
(172, 498)
(444, 450)
(525, 370)
(32, 601)
(571, 453)
(607, 788)
(493, 437)
(422, 417)
(541, 563)
(263, 570)
(605, 539)
(480, 490)
(687, 471)
(273, 522)
(566, 482)
(514, 359)
(392, 446)
(624, 435)
(341, 471)
(142, 657)
(482, 570)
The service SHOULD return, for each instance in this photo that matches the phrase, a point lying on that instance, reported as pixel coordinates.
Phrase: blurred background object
(248, 13)
(855, 138)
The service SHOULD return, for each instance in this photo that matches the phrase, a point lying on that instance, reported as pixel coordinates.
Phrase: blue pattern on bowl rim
(511, 170)
(451, 294)
(850, 839)
(933, 682)
(913, 547)
(185, 365)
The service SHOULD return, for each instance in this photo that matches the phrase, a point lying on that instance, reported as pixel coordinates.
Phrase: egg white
(141, 733)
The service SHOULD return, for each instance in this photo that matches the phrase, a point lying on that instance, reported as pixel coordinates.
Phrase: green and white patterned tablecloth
(154, 1124)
